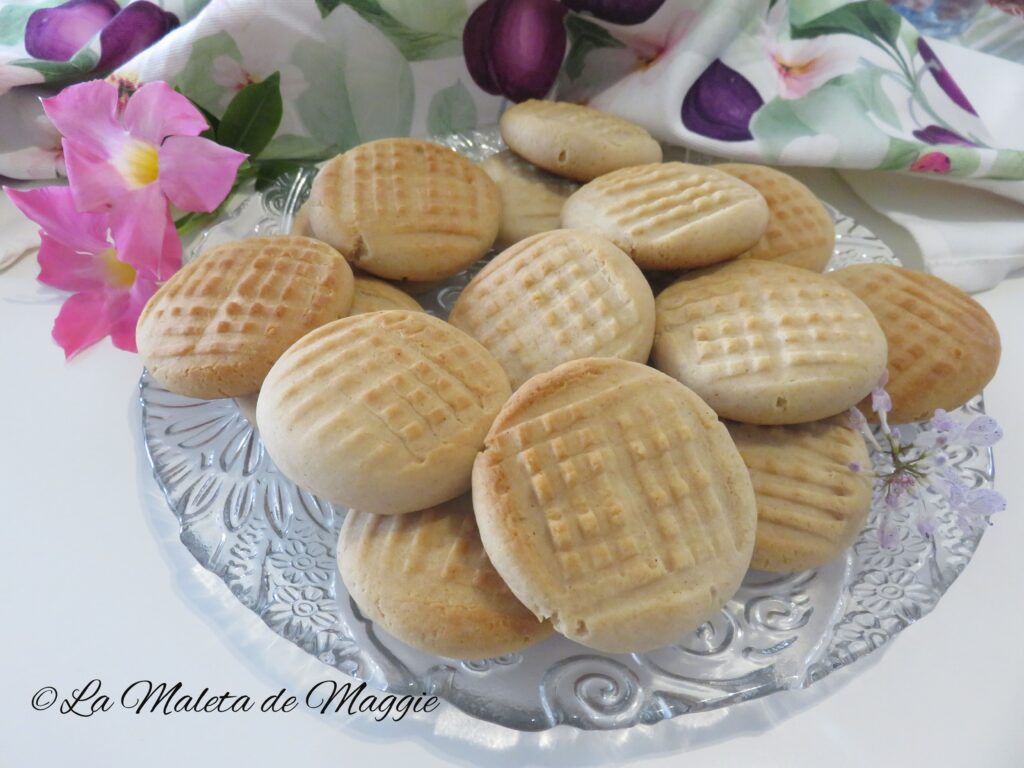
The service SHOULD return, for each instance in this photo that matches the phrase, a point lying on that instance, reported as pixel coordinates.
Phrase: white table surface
(95, 585)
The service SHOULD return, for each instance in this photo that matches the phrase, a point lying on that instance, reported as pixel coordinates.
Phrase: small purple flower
(625, 12)
(983, 431)
(888, 535)
(854, 466)
(57, 34)
(934, 134)
(515, 47)
(720, 104)
(942, 421)
(942, 77)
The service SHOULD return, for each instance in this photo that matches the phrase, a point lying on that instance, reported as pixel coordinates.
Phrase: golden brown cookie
(555, 297)
(531, 199)
(300, 222)
(215, 328)
(800, 231)
(612, 501)
(943, 346)
(382, 412)
(575, 141)
(405, 209)
(376, 295)
(766, 343)
(247, 406)
(812, 483)
(425, 578)
(671, 215)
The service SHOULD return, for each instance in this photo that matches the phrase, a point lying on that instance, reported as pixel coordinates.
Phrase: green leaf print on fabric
(415, 44)
(868, 19)
(827, 113)
(74, 68)
(360, 86)
(584, 37)
(1009, 164)
(452, 110)
(867, 83)
(288, 146)
(900, 155)
(196, 79)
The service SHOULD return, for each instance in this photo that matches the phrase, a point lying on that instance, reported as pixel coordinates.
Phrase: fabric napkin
(848, 85)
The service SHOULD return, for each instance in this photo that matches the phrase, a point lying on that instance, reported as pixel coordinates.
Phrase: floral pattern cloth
(807, 82)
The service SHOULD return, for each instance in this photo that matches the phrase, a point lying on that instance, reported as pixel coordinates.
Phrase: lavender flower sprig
(904, 468)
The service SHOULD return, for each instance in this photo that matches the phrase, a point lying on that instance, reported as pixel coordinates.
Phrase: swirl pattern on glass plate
(273, 544)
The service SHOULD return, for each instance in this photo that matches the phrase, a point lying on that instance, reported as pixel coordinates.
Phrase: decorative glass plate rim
(867, 630)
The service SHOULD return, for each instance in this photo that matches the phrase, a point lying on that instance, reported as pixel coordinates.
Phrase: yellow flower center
(119, 274)
(139, 163)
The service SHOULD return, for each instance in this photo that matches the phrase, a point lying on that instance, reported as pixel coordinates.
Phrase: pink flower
(932, 162)
(76, 254)
(131, 162)
(801, 65)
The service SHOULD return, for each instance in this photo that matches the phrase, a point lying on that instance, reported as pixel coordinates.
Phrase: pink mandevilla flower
(76, 254)
(131, 162)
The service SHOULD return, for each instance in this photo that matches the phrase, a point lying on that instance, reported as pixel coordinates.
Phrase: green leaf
(871, 20)
(414, 44)
(326, 6)
(584, 37)
(452, 110)
(900, 156)
(252, 117)
(269, 171)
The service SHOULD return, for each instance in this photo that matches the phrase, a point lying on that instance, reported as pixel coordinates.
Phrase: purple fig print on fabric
(720, 104)
(515, 47)
(942, 77)
(132, 31)
(934, 134)
(58, 33)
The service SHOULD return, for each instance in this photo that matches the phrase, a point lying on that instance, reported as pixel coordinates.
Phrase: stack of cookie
(521, 469)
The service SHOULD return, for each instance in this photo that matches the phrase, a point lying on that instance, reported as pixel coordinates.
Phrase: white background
(95, 585)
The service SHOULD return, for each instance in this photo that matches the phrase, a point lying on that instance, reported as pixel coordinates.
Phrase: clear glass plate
(273, 544)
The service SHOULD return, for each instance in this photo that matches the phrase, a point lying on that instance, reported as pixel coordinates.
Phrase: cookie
(613, 502)
(766, 343)
(671, 215)
(800, 231)
(943, 346)
(215, 328)
(247, 406)
(812, 483)
(425, 578)
(555, 297)
(405, 209)
(531, 199)
(376, 295)
(575, 141)
(382, 412)
(300, 222)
